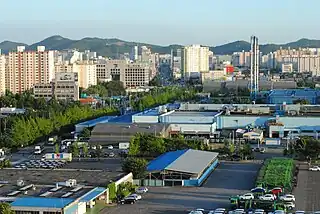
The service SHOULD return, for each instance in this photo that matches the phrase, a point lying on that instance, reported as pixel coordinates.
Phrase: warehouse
(113, 133)
(291, 96)
(91, 123)
(181, 168)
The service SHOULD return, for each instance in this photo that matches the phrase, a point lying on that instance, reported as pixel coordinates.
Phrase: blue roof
(93, 194)
(94, 122)
(164, 160)
(42, 202)
(127, 118)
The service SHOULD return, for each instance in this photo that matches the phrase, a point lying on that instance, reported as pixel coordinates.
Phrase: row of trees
(106, 89)
(146, 145)
(27, 129)
(162, 96)
(305, 148)
(5, 208)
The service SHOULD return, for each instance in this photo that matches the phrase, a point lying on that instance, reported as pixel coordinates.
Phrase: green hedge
(112, 191)
(276, 172)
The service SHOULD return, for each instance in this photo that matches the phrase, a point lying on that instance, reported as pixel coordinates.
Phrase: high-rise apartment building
(2, 74)
(195, 60)
(27, 68)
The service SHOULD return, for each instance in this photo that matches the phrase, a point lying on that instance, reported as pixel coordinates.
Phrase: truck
(38, 150)
(58, 156)
(124, 145)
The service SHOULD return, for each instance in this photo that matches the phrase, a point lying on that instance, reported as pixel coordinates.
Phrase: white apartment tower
(195, 60)
(27, 68)
(2, 74)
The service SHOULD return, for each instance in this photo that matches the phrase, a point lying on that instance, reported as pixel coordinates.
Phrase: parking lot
(307, 192)
(228, 179)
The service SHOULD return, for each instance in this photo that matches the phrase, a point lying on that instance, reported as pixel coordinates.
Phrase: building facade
(132, 75)
(64, 87)
(27, 68)
(2, 74)
(195, 60)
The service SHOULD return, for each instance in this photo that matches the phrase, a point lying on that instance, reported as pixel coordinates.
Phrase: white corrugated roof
(192, 161)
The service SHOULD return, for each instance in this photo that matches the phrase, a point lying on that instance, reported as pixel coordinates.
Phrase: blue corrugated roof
(42, 202)
(94, 122)
(164, 160)
(93, 194)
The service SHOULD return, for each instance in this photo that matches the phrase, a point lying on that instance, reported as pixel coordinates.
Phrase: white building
(287, 68)
(2, 74)
(26, 68)
(195, 60)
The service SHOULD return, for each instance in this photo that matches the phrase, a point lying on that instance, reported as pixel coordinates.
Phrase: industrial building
(312, 96)
(175, 168)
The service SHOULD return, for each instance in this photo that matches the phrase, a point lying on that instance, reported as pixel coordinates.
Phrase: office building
(134, 56)
(287, 68)
(27, 68)
(2, 74)
(130, 74)
(64, 87)
(195, 60)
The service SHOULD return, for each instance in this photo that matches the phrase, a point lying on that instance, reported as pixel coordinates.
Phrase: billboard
(66, 77)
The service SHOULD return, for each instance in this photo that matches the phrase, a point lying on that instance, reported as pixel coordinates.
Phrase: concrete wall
(193, 127)
(199, 181)
(186, 119)
(231, 122)
(145, 119)
(124, 179)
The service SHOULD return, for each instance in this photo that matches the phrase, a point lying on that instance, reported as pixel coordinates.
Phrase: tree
(246, 151)
(86, 133)
(74, 149)
(137, 166)
(100, 90)
(112, 191)
(85, 150)
(307, 148)
(5, 208)
(56, 148)
(155, 81)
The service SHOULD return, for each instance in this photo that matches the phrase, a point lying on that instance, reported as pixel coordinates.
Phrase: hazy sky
(207, 22)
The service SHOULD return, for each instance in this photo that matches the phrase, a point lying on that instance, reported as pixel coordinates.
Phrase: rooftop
(179, 161)
(93, 194)
(193, 114)
(127, 118)
(42, 202)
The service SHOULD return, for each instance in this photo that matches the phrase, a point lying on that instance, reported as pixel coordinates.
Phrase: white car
(196, 212)
(110, 147)
(258, 211)
(300, 212)
(136, 196)
(200, 209)
(218, 211)
(289, 205)
(247, 196)
(279, 212)
(267, 197)
(288, 197)
(314, 168)
(239, 211)
(142, 190)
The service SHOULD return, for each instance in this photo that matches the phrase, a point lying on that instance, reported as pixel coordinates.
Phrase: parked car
(262, 150)
(247, 196)
(276, 191)
(314, 168)
(300, 212)
(111, 154)
(141, 190)
(128, 200)
(239, 211)
(279, 212)
(288, 197)
(110, 147)
(268, 197)
(218, 211)
(136, 196)
(289, 205)
(258, 211)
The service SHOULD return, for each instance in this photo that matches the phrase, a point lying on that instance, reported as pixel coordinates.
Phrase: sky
(163, 22)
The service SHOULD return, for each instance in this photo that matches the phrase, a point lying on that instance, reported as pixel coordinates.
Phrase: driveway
(228, 179)
(307, 192)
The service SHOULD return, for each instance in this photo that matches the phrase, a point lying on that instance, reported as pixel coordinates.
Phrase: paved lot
(228, 179)
(108, 164)
(307, 192)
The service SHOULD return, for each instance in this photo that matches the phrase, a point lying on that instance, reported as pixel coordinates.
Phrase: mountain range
(113, 47)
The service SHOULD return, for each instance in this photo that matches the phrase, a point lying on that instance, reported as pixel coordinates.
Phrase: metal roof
(93, 122)
(93, 194)
(193, 161)
(42, 202)
(185, 161)
(164, 160)
(126, 128)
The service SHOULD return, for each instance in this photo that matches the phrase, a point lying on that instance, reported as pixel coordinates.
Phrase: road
(228, 179)
(307, 192)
